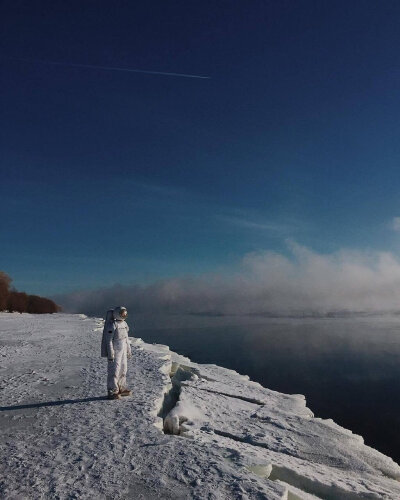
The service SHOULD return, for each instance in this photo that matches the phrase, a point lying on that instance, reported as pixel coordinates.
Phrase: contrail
(110, 68)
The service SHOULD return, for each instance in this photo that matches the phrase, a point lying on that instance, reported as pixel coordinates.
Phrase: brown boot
(113, 395)
(125, 392)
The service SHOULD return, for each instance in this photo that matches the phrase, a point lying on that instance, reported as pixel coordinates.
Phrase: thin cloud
(396, 224)
(246, 223)
(159, 189)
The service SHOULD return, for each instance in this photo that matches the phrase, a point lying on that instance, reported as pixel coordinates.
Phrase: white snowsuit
(118, 351)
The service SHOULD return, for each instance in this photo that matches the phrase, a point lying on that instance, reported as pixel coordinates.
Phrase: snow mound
(188, 431)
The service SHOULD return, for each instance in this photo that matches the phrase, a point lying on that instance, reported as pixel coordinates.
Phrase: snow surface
(188, 431)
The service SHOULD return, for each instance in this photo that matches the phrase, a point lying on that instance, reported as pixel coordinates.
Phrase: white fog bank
(265, 283)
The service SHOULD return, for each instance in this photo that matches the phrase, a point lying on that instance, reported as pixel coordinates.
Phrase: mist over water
(264, 283)
(348, 368)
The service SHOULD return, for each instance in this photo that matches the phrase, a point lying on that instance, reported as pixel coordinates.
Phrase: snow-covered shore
(228, 436)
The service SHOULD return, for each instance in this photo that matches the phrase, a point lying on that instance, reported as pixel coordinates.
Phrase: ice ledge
(272, 435)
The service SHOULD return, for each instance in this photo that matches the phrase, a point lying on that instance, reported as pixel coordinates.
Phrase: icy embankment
(188, 431)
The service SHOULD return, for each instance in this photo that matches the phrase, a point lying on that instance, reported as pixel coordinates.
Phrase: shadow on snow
(53, 403)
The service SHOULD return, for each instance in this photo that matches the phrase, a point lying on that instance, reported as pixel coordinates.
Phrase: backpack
(108, 322)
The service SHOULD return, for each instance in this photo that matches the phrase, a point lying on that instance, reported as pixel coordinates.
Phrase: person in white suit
(116, 347)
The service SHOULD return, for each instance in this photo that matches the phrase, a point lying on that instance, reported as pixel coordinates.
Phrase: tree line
(13, 301)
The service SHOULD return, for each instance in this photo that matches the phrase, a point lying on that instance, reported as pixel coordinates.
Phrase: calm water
(348, 369)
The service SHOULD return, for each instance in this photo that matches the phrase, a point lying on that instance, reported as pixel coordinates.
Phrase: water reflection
(348, 368)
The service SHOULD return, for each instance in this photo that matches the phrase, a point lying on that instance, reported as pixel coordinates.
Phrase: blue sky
(120, 177)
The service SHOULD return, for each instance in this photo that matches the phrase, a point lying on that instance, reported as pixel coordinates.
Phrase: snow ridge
(181, 420)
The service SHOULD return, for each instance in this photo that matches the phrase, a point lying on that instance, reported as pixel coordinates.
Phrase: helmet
(120, 313)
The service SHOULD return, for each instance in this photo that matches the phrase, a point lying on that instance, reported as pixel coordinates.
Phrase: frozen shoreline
(234, 438)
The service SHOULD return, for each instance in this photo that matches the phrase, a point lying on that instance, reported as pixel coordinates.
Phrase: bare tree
(41, 305)
(15, 301)
(5, 281)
